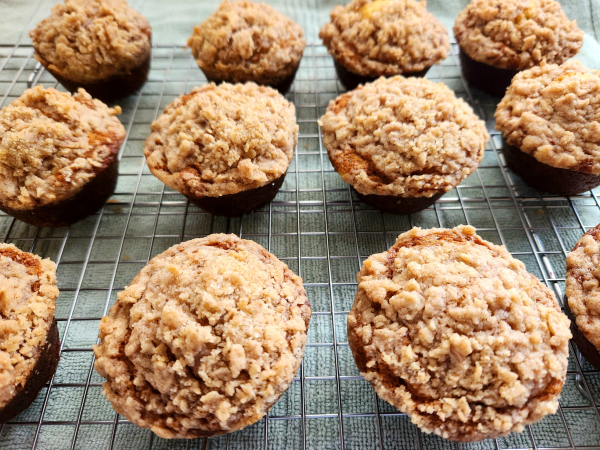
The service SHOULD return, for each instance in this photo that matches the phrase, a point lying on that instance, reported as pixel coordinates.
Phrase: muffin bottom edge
(391, 204)
(484, 77)
(350, 80)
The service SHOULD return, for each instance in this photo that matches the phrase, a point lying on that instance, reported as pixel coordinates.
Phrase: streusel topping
(400, 136)
(220, 140)
(245, 41)
(205, 339)
(583, 285)
(553, 114)
(52, 144)
(385, 37)
(28, 295)
(517, 34)
(454, 331)
(91, 40)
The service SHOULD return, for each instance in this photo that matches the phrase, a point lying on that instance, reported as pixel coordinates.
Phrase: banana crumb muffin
(373, 38)
(402, 142)
(244, 41)
(550, 119)
(455, 332)
(583, 294)
(58, 154)
(29, 343)
(102, 46)
(205, 339)
(498, 39)
(227, 148)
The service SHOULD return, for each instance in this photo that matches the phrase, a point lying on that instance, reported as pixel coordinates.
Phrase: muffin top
(553, 114)
(401, 136)
(583, 284)
(205, 339)
(52, 144)
(245, 41)
(455, 332)
(220, 140)
(27, 308)
(91, 40)
(517, 34)
(385, 37)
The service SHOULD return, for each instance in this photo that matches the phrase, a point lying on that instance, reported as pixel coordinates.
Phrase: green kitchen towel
(172, 21)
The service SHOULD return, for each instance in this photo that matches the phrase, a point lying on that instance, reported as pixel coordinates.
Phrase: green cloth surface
(172, 21)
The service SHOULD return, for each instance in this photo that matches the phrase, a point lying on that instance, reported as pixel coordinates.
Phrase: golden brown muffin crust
(220, 140)
(52, 144)
(28, 295)
(553, 114)
(205, 339)
(583, 284)
(401, 136)
(91, 40)
(385, 37)
(454, 331)
(245, 41)
(517, 34)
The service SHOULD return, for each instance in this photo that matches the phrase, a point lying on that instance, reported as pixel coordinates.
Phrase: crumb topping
(385, 37)
(244, 41)
(205, 339)
(583, 284)
(220, 140)
(52, 144)
(28, 295)
(454, 331)
(553, 114)
(91, 40)
(401, 136)
(517, 34)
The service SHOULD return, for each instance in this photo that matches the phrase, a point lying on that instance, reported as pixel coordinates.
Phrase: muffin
(205, 339)
(29, 343)
(227, 148)
(583, 294)
(402, 143)
(102, 46)
(499, 39)
(372, 38)
(244, 41)
(58, 156)
(454, 331)
(550, 119)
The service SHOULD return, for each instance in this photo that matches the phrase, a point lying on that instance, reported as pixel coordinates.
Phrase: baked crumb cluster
(401, 136)
(27, 303)
(220, 140)
(91, 40)
(244, 41)
(454, 331)
(553, 113)
(205, 339)
(583, 284)
(517, 34)
(385, 37)
(52, 144)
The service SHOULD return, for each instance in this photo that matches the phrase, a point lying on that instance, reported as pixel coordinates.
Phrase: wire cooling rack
(323, 233)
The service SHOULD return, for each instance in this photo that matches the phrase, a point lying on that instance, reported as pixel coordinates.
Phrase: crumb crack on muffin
(552, 113)
(52, 144)
(385, 37)
(27, 303)
(402, 136)
(205, 339)
(517, 34)
(245, 41)
(224, 139)
(454, 331)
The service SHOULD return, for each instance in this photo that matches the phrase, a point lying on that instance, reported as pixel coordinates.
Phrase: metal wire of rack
(323, 233)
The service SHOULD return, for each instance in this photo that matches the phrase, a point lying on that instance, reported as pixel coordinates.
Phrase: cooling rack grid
(322, 232)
